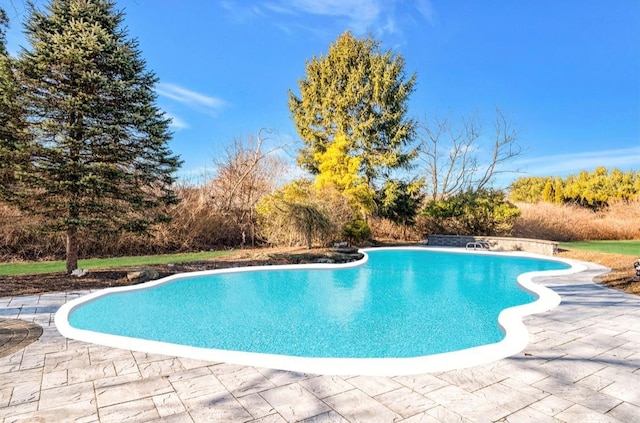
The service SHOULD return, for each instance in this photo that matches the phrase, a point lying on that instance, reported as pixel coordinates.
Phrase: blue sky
(565, 73)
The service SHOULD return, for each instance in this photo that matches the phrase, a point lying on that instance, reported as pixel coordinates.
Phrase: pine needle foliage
(99, 154)
(12, 120)
(361, 92)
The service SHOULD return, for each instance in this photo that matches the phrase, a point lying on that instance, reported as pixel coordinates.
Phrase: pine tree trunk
(72, 249)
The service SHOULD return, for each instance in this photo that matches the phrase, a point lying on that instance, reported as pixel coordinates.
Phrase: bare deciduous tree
(449, 153)
(244, 174)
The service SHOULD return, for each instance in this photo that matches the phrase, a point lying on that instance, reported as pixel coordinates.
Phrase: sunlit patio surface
(582, 364)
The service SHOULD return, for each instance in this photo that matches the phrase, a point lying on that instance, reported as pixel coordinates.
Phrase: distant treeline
(588, 189)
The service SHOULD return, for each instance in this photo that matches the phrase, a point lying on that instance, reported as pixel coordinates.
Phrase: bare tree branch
(449, 153)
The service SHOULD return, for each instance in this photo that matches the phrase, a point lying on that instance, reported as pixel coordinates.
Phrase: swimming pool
(398, 311)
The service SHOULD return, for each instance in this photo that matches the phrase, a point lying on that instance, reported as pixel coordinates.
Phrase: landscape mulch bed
(621, 277)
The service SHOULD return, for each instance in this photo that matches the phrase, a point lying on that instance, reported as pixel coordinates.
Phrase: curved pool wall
(516, 336)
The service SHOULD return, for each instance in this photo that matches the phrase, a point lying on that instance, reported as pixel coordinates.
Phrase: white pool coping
(510, 321)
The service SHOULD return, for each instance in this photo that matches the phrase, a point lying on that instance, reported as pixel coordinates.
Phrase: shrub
(483, 212)
(356, 231)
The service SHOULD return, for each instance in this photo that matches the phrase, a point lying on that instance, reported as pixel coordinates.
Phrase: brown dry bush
(195, 226)
(618, 221)
(20, 237)
(386, 230)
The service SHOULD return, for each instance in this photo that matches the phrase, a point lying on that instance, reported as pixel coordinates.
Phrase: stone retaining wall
(538, 246)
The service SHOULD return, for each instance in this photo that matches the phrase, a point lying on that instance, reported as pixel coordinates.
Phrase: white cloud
(190, 98)
(176, 122)
(563, 164)
(425, 8)
(361, 16)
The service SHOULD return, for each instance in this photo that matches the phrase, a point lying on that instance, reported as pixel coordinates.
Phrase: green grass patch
(630, 248)
(37, 267)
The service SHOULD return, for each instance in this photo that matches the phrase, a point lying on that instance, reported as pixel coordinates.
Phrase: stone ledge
(538, 246)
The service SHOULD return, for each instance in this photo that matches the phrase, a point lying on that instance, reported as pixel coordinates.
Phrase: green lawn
(631, 248)
(36, 267)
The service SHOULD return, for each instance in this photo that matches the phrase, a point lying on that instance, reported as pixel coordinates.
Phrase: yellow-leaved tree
(337, 169)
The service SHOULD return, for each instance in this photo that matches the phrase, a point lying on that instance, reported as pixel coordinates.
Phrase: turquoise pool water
(401, 303)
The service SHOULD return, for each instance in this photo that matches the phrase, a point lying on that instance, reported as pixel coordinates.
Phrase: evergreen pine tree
(100, 159)
(12, 124)
(358, 91)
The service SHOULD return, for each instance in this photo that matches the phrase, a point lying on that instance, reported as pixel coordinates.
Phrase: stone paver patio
(582, 365)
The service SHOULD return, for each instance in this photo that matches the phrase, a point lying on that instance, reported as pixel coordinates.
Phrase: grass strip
(630, 248)
(38, 267)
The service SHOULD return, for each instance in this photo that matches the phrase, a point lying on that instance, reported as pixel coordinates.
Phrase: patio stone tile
(177, 418)
(596, 328)
(66, 360)
(551, 339)
(10, 313)
(422, 418)
(568, 328)
(281, 377)
(190, 374)
(81, 412)
(272, 418)
(54, 379)
(293, 402)
(582, 349)
(216, 407)
(625, 391)
(131, 411)
(245, 383)
(143, 357)
(356, 406)
(126, 366)
(64, 395)
(625, 412)
(20, 376)
(524, 388)
(467, 404)
(619, 353)
(189, 363)
(47, 344)
(90, 373)
(74, 346)
(473, 378)
(405, 402)
(32, 360)
(168, 404)
(230, 370)
(552, 405)
(506, 397)
(197, 386)
(443, 414)
(570, 369)
(131, 391)
(100, 354)
(595, 382)
(256, 405)
(328, 417)
(422, 384)
(25, 392)
(118, 380)
(374, 385)
(579, 413)
(161, 368)
(5, 396)
(605, 341)
(16, 410)
(325, 386)
(589, 398)
(530, 415)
